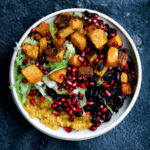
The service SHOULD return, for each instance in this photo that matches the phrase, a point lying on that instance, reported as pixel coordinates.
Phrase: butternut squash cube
(98, 38)
(74, 61)
(90, 28)
(63, 33)
(30, 51)
(32, 73)
(42, 28)
(126, 89)
(75, 23)
(37, 36)
(124, 77)
(117, 38)
(82, 31)
(91, 56)
(56, 76)
(79, 40)
(58, 41)
(112, 57)
(43, 45)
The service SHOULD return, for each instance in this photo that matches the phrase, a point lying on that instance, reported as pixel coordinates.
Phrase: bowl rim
(117, 121)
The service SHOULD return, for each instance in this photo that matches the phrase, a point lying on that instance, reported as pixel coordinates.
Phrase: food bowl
(117, 118)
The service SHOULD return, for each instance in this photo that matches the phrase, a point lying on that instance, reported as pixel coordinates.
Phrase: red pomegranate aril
(41, 67)
(48, 33)
(75, 94)
(99, 113)
(58, 102)
(82, 85)
(78, 110)
(79, 78)
(80, 96)
(74, 101)
(62, 76)
(69, 76)
(112, 82)
(88, 113)
(69, 68)
(115, 43)
(67, 109)
(70, 90)
(75, 84)
(89, 103)
(92, 83)
(33, 30)
(45, 72)
(71, 118)
(86, 23)
(132, 72)
(69, 83)
(81, 59)
(48, 46)
(78, 104)
(93, 128)
(85, 79)
(73, 73)
(98, 124)
(101, 106)
(74, 69)
(42, 98)
(73, 78)
(65, 105)
(59, 89)
(125, 50)
(95, 21)
(25, 62)
(104, 110)
(104, 116)
(68, 129)
(87, 49)
(96, 61)
(112, 35)
(54, 105)
(83, 53)
(56, 113)
(107, 93)
(89, 20)
(70, 113)
(101, 56)
(25, 81)
(84, 63)
(37, 63)
(106, 85)
(69, 101)
(32, 102)
(63, 99)
(115, 86)
(32, 93)
(126, 67)
(105, 28)
(101, 26)
(58, 84)
(95, 15)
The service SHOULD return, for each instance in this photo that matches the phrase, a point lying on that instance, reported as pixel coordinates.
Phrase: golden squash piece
(79, 40)
(56, 76)
(86, 71)
(37, 36)
(126, 89)
(43, 46)
(98, 38)
(91, 56)
(30, 51)
(90, 28)
(58, 41)
(63, 33)
(102, 72)
(117, 38)
(54, 54)
(74, 61)
(124, 77)
(43, 28)
(32, 73)
(75, 23)
(122, 59)
(112, 57)
(82, 31)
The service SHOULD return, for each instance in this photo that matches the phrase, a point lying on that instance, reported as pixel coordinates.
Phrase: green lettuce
(30, 40)
(108, 107)
(77, 14)
(51, 26)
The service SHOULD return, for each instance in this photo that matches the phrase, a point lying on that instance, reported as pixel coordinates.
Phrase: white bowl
(117, 118)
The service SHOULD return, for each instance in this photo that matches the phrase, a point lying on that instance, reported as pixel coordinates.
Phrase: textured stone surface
(16, 133)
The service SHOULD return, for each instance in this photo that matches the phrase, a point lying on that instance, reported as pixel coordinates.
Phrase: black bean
(49, 69)
(42, 60)
(115, 109)
(78, 114)
(100, 67)
(108, 116)
(95, 119)
(117, 76)
(87, 14)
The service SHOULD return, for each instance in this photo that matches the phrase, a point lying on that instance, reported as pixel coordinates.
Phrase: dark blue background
(16, 133)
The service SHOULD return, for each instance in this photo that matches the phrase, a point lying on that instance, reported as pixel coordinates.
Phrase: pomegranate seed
(125, 50)
(92, 83)
(82, 85)
(87, 49)
(99, 113)
(98, 124)
(70, 113)
(65, 105)
(86, 23)
(42, 98)
(48, 46)
(75, 84)
(86, 83)
(115, 43)
(81, 59)
(105, 28)
(132, 72)
(25, 81)
(93, 128)
(101, 22)
(58, 103)
(67, 109)
(32, 93)
(96, 61)
(73, 108)
(101, 56)
(115, 86)
(104, 110)
(69, 68)
(101, 26)
(89, 103)
(89, 20)
(74, 78)
(112, 82)
(48, 33)
(41, 67)
(74, 69)
(58, 84)
(79, 78)
(73, 73)
(32, 102)
(68, 129)
(33, 30)
(69, 83)
(112, 35)
(63, 99)
(25, 62)
(64, 84)
(69, 76)
(126, 67)
(80, 96)
(56, 113)
(85, 63)
(54, 105)
(88, 113)
(104, 116)
(59, 89)
(78, 104)
(78, 110)
(62, 76)
(71, 118)
(101, 106)
(107, 93)
(95, 15)
(85, 79)
(45, 72)
(95, 21)
(83, 54)
(70, 90)
(75, 94)
(74, 101)
(106, 85)
(37, 63)
(69, 101)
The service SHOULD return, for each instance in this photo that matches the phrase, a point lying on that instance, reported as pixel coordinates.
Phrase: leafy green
(108, 107)
(60, 92)
(51, 26)
(77, 14)
(30, 40)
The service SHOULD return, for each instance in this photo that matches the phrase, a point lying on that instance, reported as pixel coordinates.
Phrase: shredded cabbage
(108, 107)
(30, 40)
(77, 14)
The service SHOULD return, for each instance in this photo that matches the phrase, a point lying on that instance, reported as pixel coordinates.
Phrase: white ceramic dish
(117, 118)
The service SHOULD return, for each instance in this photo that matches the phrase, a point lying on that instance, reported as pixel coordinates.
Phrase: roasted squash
(74, 61)
(32, 73)
(86, 71)
(122, 59)
(43, 46)
(58, 41)
(56, 76)
(75, 23)
(91, 56)
(63, 33)
(124, 77)
(43, 28)
(90, 28)
(126, 89)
